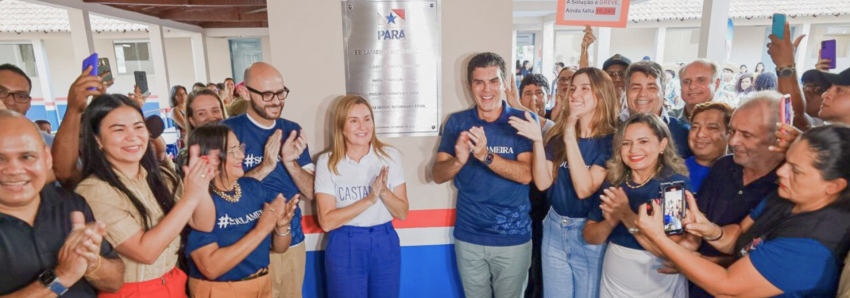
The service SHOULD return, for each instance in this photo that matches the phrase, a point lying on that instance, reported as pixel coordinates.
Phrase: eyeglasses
(19, 97)
(616, 74)
(233, 152)
(268, 96)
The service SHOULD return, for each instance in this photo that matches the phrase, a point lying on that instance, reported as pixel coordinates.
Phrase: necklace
(629, 184)
(230, 198)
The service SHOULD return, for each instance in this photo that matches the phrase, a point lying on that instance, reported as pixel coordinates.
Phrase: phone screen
(673, 205)
(786, 110)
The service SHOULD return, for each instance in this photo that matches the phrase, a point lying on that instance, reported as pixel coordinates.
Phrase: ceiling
(203, 13)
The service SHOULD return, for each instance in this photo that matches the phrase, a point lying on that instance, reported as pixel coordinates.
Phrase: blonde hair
(340, 116)
(604, 118)
(669, 161)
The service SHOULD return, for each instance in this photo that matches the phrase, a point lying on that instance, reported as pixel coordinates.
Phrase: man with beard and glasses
(291, 176)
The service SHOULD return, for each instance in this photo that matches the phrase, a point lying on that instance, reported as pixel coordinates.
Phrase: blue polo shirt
(491, 210)
(562, 195)
(652, 190)
(278, 181)
(234, 221)
(697, 172)
(680, 130)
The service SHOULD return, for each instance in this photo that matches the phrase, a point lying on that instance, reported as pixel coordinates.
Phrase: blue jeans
(571, 267)
(363, 262)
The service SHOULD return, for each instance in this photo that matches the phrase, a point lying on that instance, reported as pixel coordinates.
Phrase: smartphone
(827, 51)
(786, 110)
(91, 61)
(103, 67)
(779, 25)
(673, 205)
(142, 82)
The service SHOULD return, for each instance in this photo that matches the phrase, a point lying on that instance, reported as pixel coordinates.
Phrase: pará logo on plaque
(389, 26)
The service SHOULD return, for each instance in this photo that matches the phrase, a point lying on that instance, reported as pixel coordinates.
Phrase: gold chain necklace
(628, 181)
(230, 198)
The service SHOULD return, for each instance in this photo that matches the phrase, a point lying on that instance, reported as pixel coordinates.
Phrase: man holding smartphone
(737, 183)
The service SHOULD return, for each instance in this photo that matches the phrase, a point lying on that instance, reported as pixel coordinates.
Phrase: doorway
(243, 53)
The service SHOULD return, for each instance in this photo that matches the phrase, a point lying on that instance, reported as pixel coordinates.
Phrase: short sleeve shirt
(254, 136)
(113, 207)
(800, 267)
(354, 182)
(233, 222)
(27, 251)
(562, 194)
(652, 190)
(491, 210)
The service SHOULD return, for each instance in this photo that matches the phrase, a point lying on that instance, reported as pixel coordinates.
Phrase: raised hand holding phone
(91, 61)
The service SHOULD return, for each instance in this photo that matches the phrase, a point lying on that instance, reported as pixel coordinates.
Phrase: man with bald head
(699, 80)
(291, 176)
(46, 247)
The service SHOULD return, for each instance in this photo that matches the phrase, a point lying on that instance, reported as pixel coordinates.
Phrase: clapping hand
(379, 185)
(478, 143)
(527, 127)
(615, 203)
(285, 216)
(293, 146)
(462, 148)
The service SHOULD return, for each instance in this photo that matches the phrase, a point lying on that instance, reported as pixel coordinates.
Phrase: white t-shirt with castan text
(354, 183)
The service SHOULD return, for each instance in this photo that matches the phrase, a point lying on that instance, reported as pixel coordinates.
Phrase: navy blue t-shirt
(652, 190)
(562, 195)
(491, 210)
(680, 130)
(279, 180)
(234, 221)
(697, 172)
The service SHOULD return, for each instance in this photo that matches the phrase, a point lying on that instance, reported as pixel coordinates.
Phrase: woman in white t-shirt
(360, 188)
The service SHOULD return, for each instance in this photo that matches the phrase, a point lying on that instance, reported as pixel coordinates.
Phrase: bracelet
(718, 236)
(288, 229)
(99, 258)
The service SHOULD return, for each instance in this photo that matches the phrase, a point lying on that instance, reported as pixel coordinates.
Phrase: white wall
(568, 47)
(181, 68)
(300, 65)
(681, 44)
(64, 67)
(633, 43)
(748, 46)
(218, 57)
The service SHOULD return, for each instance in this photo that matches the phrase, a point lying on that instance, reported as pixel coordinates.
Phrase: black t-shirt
(27, 251)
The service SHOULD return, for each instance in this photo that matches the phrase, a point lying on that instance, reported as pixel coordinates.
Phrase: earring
(662, 152)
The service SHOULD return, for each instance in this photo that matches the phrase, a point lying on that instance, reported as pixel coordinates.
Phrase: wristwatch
(49, 279)
(785, 71)
(488, 159)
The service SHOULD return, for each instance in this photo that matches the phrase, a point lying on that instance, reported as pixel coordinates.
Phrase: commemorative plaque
(392, 57)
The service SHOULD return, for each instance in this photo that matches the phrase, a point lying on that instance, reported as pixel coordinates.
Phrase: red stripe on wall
(430, 218)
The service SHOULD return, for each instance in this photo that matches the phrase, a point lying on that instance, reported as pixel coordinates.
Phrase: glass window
(20, 55)
(133, 56)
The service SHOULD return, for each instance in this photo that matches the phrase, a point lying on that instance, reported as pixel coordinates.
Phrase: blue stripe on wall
(426, 271)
